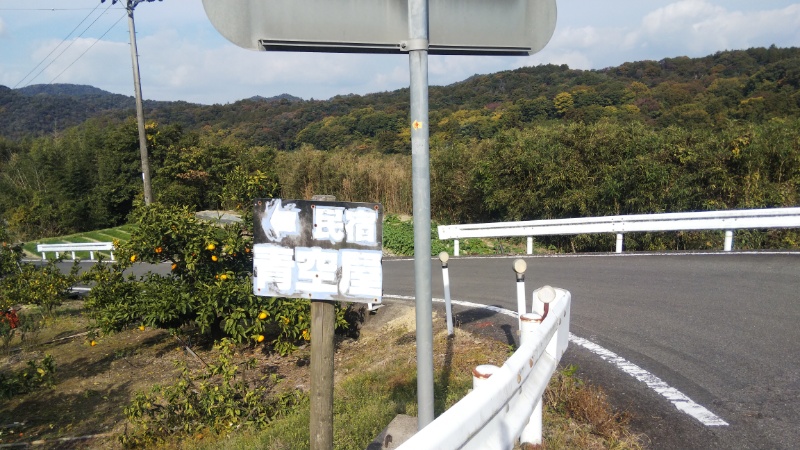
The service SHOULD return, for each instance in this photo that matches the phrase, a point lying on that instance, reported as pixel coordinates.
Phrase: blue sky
(182, 57)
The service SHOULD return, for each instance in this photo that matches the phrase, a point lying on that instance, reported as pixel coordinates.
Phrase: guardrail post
(728, 240)
(542, 297)
(443, 257)
(481, 374)
(530, 245)
(532, 433)
(519, 267)
(455, 247)
(619, 242)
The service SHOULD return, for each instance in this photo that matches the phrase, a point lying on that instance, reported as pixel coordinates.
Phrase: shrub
(10, 258)
(209, 285)
(28, 284)
(46, 286)
(221, 398)
(35, 375)
(398, 237)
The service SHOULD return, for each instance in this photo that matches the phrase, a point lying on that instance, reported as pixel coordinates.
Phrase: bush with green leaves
(10, 259)
(45, 286)
(29, 284)
(223, 397)
(209, 284)
(35, 375)
(398, 238)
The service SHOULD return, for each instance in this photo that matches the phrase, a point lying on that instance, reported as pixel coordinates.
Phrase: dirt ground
(95, 383)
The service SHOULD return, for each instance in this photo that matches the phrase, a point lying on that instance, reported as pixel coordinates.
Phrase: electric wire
(67, 47)
(57, 46)
(49, 9)
(89, 48)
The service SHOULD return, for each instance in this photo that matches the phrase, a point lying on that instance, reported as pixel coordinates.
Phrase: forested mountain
(751, 85)
(679, 134)
(49, 108)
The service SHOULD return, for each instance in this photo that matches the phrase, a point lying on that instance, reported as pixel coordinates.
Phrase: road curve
(720, 328)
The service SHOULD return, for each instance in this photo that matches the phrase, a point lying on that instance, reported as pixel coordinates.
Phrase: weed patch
(577, 411)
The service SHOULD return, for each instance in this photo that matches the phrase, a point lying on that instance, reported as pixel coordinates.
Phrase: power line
(90, 47)
(49, 9)
(62, 42)
(57, 46)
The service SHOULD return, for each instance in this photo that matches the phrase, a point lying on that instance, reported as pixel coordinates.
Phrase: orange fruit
(141, 327)
(159, 249)
(214, 258)
(223, 277)
(93, 343)
(260, 338)
(262, 315)
(174, 266)
(211, 247)
(133, 258)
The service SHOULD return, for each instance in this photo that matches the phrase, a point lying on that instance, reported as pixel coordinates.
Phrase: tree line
(536, 143)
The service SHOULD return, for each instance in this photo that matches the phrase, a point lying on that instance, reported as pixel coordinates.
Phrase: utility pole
(137, 87)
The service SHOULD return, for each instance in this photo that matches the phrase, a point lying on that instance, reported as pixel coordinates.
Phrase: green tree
(563, 102)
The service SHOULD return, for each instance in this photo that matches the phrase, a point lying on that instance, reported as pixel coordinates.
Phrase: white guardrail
(707, 220)
(90, 247)
(505, 405)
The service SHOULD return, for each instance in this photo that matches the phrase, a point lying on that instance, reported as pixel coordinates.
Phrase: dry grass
(349, 174)
(578, 415)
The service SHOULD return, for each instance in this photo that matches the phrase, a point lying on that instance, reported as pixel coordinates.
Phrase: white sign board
(318, 250)
(457, 27)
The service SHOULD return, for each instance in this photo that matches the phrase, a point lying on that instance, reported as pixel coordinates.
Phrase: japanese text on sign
(318, 250)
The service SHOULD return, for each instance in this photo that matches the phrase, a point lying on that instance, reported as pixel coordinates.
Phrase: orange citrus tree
(201, 277)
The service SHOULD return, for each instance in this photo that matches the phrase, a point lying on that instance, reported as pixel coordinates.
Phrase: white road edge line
(677, 398)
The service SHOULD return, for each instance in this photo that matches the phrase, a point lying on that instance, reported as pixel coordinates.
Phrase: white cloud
(85, 61)
(675, 17)
(182, 57)
(689, 27)
(187, 70)
(696, 28)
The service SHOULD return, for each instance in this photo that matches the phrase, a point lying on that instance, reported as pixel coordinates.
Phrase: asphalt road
(724, 329)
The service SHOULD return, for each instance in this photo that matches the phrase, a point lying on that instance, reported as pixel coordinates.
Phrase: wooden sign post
(324, 251)
(323, 322)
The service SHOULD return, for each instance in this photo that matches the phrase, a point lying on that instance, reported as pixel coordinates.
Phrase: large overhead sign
(318, 250)
(468, 27)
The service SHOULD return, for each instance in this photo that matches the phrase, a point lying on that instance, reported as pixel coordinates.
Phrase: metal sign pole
(417, 46)
(466, 27)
